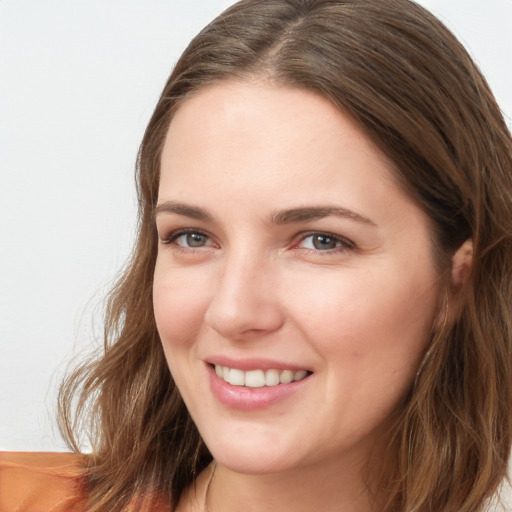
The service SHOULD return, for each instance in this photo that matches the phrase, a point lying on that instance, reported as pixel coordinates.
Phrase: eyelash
(171, 239)
(342, 244)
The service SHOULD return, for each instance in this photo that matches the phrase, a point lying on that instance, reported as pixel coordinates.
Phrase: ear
(462, 263)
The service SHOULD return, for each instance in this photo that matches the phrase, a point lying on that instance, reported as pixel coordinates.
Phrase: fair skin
(287, 249)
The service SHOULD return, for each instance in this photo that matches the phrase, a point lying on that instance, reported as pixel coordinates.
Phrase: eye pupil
(324, 242)
(195, 240)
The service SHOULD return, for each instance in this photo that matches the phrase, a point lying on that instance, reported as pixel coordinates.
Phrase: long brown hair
(413, 89)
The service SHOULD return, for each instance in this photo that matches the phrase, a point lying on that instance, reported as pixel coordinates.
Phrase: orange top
(39, 482)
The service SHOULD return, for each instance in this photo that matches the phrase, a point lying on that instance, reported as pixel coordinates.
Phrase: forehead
(234, 128)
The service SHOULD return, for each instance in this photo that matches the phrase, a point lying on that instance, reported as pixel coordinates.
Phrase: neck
(195, 497)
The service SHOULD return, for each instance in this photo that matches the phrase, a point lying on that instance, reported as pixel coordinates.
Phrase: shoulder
(39, 482)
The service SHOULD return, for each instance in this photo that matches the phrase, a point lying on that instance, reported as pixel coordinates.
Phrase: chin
(250, 459)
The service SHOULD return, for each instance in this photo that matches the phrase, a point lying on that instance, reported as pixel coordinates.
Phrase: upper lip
(256, 363)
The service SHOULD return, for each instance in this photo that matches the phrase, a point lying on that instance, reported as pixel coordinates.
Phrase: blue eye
(192, 240)
(189, 239)
(325, 242)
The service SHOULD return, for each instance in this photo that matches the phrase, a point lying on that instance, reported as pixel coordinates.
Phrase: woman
(323, 264)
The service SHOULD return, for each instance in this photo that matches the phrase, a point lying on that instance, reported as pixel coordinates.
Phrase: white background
(78, 82)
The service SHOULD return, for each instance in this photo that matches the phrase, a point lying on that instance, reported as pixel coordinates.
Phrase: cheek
(369, 319)
(371, 334)
(178, 310)
(179, 307)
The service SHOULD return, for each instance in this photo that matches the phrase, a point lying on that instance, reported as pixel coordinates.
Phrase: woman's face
(287, 254)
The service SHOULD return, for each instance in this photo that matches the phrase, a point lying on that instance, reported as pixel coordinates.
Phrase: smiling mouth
(259, 378)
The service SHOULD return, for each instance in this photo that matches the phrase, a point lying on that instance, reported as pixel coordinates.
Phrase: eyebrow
(280, 217)
(309, 213)
(182, 209)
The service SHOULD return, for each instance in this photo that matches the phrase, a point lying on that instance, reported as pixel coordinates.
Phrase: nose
(245, 303)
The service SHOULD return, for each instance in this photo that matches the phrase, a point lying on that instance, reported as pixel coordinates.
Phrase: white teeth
(286, 377)
(258, 378)
(255, 379)
(300, 375)
(235, 377)
(271, 378)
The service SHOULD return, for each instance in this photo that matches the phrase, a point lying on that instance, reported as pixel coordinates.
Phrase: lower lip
(250, 399)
